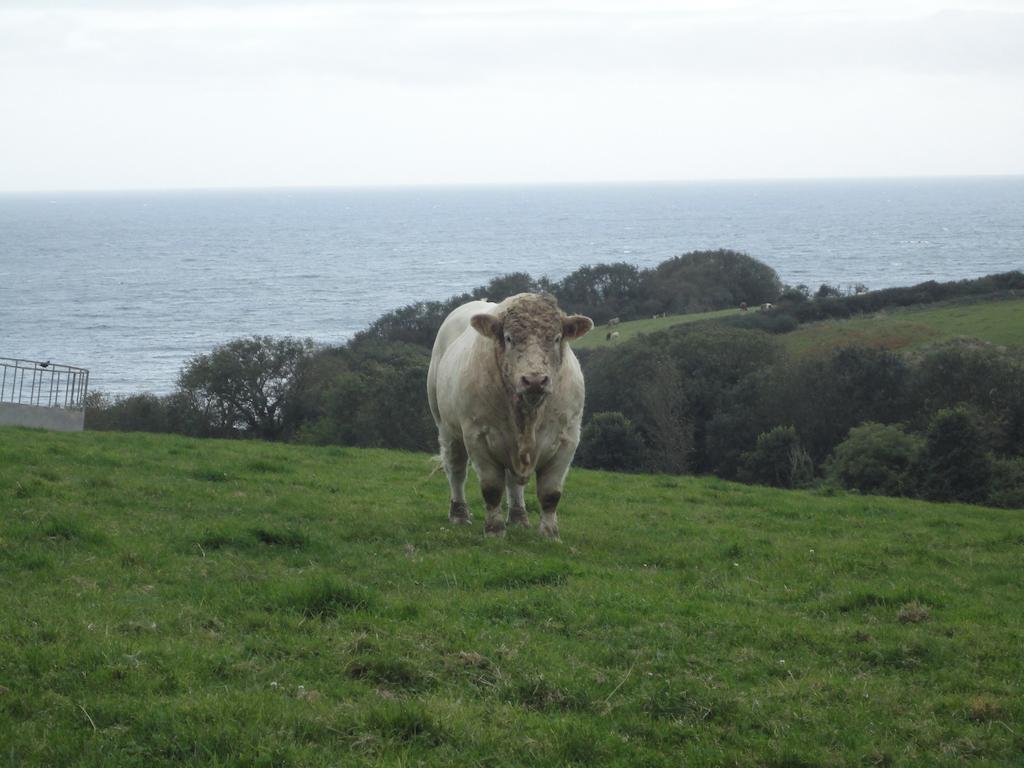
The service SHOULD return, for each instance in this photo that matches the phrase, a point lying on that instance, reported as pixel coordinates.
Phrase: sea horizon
(391, 186)
(131, 284)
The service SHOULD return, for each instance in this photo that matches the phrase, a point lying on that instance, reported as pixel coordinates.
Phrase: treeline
(713, 397)
(700, 281)
(372, 390)
(944, 424)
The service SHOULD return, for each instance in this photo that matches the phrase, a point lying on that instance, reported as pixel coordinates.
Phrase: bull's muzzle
(533, 387)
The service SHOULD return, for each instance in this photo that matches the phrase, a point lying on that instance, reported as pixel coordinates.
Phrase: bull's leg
(492, 486)
(456, 461)
(516, 502)
(550, 480)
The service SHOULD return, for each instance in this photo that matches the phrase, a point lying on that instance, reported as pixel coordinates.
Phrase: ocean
(132, 284)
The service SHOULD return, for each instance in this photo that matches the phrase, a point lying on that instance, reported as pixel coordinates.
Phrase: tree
(706, 280)
(610, 441)
(954, 465)
(248, 380)
(830, 395)
(414, 323)
(373, 395)
(503, 286)
(778, 459)
(1007, 483)
(875, 458)
(985, 377)
(602, 292)
(669, 384)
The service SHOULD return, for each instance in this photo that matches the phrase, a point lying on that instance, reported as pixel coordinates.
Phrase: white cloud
(230, 94)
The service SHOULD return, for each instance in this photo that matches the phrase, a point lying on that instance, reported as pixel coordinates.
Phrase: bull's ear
(575, 326)
(486, 325)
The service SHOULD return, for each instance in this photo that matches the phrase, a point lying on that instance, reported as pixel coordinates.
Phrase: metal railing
(46, 384)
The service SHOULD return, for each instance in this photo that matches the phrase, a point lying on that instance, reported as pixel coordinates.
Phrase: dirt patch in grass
(983, 709)
(913, 613)
(280, 537)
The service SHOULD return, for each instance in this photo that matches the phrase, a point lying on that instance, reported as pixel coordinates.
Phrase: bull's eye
(558, 338)
(508, 339)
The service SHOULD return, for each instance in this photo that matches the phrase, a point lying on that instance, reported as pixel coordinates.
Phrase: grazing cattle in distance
(506, 393)
(614, 321)
(766, 307)
(743, 306)
(613, 335)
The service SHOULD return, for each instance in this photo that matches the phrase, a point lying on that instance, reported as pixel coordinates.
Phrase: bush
(670, 383)
(373, 395)
(178, 413)
(135, 413)
(954, 465)
(610, 441)
(1007, 489)
(707, 280)
(778, 459)
(248, 381)
(601, 292)
(988, 379)
(875, 458)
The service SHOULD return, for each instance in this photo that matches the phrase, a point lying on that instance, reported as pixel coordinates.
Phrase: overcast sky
(122, 94)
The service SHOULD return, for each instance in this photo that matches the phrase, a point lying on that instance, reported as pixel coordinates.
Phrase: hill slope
(631, 328)
(167, 600)
(998, 321)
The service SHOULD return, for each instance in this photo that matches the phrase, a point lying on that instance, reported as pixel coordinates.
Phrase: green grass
(998, 322)
(632, 328)
(168, 601)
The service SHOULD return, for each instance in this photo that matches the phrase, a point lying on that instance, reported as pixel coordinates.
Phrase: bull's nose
(534, 382)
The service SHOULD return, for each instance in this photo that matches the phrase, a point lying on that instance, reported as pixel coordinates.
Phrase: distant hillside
(598, 337)
(998, 321)
(172, 601)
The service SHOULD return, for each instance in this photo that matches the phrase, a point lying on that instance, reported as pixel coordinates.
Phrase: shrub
(177, 412)
(875, 458)
(825, 397)
(1007, 489)
(601, 292)
(778, 459)
(610, 441)
(249, 380)
(670, 383)
(987, 378)
(706, 280)
(954, 465)
(372, 395)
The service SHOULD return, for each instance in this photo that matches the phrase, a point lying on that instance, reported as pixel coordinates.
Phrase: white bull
(506, 393)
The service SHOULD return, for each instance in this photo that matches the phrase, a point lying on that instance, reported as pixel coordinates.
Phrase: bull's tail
(438, 465)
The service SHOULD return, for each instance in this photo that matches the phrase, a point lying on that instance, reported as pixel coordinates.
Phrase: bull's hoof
(494, 528)
(458, 514)
(518, 516)
(549, 530)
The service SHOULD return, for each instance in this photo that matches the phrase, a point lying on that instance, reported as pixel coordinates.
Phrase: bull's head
(530, 339)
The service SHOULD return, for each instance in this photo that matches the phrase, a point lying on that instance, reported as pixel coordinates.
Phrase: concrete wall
(55, 419)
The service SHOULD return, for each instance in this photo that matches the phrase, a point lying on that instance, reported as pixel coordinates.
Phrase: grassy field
(998, 322)
(598, 337)
(169, 601)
